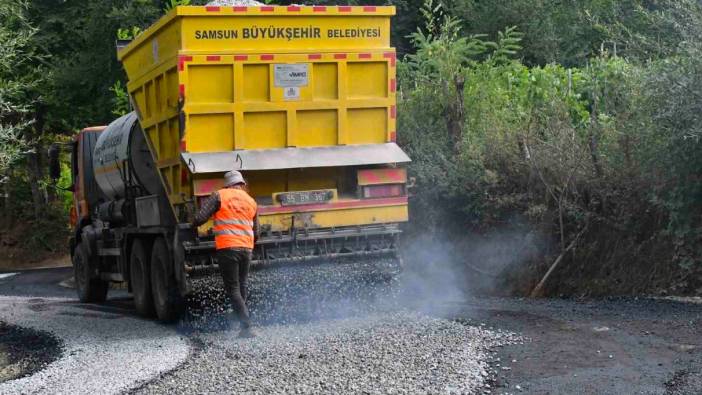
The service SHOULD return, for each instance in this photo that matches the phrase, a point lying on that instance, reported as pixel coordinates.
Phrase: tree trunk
(594, 135)
(455, 116)
(538, 290)
(34, 175)
(561, 225)
(8, 213)
(34, 168)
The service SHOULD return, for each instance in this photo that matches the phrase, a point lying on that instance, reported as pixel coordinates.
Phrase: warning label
(290, 75)
(291, 93)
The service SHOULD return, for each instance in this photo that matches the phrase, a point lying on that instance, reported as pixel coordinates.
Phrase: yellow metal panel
(150, 100)
(210, 34)
(367, 125)
(220, 133)
(312, 179)
(325, 81)
(316, 128)
(159, 94)
(256, 85)
(149, 51)
(263, 184)
(172, 89)
(215, 83)
(139, 99)
(152, 134)
(367, 80)
(264, 130)
(166, 176)
(167, 141)
(175, 175)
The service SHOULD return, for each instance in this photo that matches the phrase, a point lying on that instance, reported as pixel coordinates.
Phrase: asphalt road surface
(356, 338)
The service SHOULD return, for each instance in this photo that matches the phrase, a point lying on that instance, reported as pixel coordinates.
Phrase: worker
(235, 230)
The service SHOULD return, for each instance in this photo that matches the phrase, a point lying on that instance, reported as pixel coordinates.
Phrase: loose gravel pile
(300, 293)
(342, 327)
(105, 351)
(338, 327)
(399, 353)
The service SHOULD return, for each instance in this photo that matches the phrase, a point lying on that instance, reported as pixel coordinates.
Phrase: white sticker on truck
(290, 75)
(291, 93)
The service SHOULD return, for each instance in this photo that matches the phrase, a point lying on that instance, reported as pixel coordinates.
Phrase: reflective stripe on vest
(234, 232)
(234, 221)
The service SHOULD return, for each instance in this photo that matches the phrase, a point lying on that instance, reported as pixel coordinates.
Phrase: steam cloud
(438, 273)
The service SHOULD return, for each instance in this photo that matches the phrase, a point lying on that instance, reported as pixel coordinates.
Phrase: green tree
(23, 73)
(570, 32)
(15, 112)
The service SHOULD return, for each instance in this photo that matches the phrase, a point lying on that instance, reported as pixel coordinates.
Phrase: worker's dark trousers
(234, 266)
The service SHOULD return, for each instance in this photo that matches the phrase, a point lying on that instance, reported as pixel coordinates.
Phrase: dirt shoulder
(604, 346)
(26, 244)
(8, 264)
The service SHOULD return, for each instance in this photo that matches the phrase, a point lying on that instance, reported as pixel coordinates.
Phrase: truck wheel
(90, 290)
(140, 279)
(164, 287)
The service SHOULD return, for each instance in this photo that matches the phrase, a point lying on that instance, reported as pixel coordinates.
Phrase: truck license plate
(306, 197)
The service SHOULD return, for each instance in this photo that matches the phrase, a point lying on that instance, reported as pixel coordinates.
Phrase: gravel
(331, 328)
(299, 293)
(342, 326)
(401, 352)
(105, 350)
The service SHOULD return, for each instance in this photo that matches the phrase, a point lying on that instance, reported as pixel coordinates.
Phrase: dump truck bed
(299, 98)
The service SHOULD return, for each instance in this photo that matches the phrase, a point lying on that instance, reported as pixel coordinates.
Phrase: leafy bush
(612, 142)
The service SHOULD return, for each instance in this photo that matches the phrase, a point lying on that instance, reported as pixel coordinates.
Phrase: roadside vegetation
(576, 121)
(597, 148)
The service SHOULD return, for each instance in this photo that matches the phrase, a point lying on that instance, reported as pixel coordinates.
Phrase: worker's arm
(209, 207)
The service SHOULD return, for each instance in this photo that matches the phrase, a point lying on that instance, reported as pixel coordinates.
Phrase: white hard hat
(232, 178)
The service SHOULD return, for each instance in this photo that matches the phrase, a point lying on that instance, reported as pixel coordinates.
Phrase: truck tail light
(382, 191)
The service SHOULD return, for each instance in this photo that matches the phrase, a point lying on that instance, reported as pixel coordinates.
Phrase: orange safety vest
(234, 221)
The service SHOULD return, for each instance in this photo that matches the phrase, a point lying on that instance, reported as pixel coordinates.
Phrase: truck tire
(167, 300)
(140, 278)
(90, 290)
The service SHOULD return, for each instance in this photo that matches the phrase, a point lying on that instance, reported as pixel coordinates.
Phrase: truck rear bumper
(305, 245)
(343, 213)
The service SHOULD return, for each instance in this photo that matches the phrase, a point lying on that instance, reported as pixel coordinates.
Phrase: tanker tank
(122, 157)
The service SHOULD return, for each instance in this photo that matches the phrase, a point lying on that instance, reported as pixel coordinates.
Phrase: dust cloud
(436, 274)
(446, 270)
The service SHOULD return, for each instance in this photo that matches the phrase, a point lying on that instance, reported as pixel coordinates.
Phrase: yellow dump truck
(300, 99)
